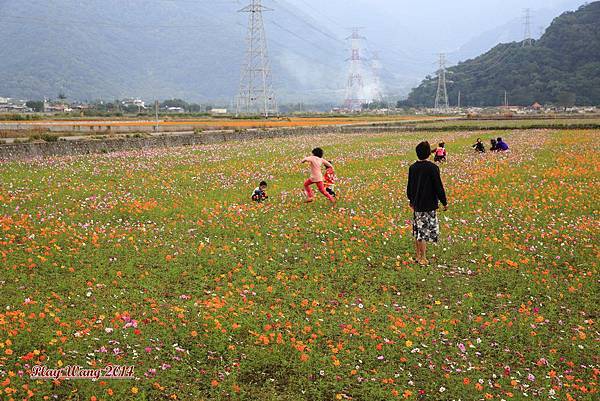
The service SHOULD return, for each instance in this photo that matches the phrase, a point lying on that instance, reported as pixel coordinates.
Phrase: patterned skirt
(426, 226)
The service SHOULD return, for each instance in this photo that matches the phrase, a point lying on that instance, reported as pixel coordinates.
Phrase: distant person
(494, 147)
(440, 153)
(329, 181)
(425, 190)
(260, 193)
(502, 146)
(315, 163)
(478, 146)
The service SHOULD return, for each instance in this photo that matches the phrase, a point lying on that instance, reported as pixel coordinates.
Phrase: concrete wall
(22, 151)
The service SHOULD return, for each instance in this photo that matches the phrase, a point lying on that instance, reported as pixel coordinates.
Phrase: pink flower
(462, 347)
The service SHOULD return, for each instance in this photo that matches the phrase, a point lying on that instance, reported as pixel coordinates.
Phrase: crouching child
(260, 193)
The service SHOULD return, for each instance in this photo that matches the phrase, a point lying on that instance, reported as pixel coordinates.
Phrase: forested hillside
(562, 67)
(154, 49)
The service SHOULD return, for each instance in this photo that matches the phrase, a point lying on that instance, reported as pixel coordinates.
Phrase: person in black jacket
(479, 146)
(425, 191)
(260, 193)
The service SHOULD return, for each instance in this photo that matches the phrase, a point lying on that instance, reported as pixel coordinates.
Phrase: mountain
(512, 30)
(562, 67)
(106, 49)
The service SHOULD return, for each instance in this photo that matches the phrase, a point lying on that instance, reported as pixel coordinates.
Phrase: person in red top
(316, 162)
(329, 179)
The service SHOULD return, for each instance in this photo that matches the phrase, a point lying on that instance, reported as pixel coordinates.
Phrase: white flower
(442, 389)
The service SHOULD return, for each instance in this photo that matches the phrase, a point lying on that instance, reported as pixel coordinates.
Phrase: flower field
(159, 260)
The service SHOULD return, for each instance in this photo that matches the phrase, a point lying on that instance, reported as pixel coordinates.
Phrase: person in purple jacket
(501, 145)
(425, 191)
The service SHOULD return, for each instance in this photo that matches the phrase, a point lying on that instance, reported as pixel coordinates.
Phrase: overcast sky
(436, 23)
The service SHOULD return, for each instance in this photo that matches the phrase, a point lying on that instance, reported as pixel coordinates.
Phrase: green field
(158, 259)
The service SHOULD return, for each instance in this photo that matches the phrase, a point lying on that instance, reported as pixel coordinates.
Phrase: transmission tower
(256, 89)
(527, 40)
(355, 85)
(441, 98)
(376, 68)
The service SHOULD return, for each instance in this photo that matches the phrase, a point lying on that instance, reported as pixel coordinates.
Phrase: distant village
(130, 105)
(137, 105)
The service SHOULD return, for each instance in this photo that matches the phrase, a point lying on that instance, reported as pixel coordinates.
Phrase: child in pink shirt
(316, 175)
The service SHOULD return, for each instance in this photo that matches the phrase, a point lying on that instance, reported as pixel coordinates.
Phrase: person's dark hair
(442, 144)
(478, 139)
(318, 152)
(493, 141)
(499, 139)
(423, 150)
(263, 184)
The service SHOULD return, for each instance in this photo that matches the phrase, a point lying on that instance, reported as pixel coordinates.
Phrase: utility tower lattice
(527, 39)
(355, 85)
(256, 89)
(376, 67)
(441, 98)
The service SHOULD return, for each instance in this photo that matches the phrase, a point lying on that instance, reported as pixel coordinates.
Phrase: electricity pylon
(376, 68)
(256, 89)
(527, 40)
(441, 98)
(355, 84)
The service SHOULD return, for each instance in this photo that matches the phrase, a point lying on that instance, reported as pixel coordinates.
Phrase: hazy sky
(432, 22)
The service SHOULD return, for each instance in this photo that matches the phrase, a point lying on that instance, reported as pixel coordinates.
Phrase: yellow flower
(409, 343)
(134, 390)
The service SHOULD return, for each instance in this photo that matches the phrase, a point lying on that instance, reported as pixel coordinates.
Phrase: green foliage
(375, 105)
(43, 137)
(35, 105)
(562, 68)
(19, 117)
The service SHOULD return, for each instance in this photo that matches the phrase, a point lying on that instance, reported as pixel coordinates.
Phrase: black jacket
(425, 188)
